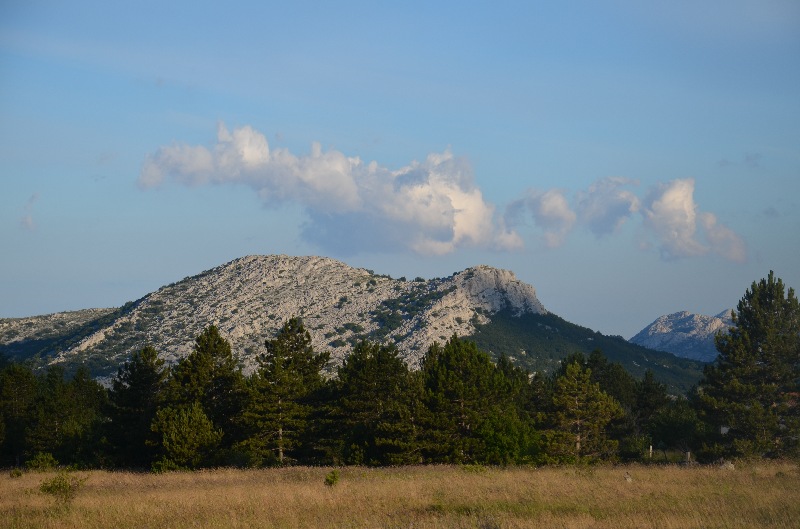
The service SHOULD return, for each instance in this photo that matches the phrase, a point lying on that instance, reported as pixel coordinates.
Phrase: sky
(628, 159)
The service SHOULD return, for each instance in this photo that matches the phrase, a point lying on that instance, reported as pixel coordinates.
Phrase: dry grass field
(764, 495)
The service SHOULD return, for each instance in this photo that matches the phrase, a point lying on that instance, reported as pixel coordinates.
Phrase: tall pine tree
(276, 419)
(581, 415)
(376, 407)
(749, 395)
(136, 393)
(210, 376)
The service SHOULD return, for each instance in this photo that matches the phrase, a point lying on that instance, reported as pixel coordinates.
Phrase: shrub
(42, 462)
(63, 486)
(15, 473)
(332, 478)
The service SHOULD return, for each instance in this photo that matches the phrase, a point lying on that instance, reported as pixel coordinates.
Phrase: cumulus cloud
(430, 207)
(606, 205)
(672, 217)
(723, 240)
(550, 211)
(26, 222)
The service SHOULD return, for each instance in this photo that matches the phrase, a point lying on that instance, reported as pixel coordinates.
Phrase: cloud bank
(430, 207)
(434, 206)
(671, 220)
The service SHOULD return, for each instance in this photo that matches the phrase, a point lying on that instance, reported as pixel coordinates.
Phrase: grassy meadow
(763, 494)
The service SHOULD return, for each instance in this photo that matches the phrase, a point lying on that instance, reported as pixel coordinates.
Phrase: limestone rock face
(685, 334)
(249, 299)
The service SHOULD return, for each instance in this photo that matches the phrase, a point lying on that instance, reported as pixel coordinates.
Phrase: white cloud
(681, 230)
(723, 240)
(606, 205)
(671, 216)
(430, 207)
(550, 211)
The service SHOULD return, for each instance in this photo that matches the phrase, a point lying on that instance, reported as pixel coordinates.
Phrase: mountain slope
(250, 298)
(685, 334)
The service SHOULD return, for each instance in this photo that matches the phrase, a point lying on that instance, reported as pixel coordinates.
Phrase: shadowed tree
(581, 415)
(135, 396)
(17, 397)
(376, 406)
(472, 415)
(276, 419)
(749, 395)
(211, 377)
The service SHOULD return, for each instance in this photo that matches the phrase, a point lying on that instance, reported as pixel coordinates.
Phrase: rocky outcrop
(685, 334)
(251, 297)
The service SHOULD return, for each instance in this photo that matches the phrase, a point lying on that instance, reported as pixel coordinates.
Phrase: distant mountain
(685, 334)
(250, 298)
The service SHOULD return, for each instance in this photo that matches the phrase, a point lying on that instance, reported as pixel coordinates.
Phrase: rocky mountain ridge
(685, 334)
(250, 298)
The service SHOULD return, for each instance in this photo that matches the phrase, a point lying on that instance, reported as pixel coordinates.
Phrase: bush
(42, 462)
(15, 473)
(63, 486)
(332, 478)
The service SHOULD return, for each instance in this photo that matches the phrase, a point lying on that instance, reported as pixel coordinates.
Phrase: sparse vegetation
(765, 495)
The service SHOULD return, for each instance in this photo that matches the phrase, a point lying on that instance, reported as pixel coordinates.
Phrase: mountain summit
(249, 299)
(685, 334)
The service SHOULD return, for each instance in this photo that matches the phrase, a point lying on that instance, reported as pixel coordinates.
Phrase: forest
(459, 407)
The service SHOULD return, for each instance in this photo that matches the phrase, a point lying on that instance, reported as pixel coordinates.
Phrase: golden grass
(755, 495)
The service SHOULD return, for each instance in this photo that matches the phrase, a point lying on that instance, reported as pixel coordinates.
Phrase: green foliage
(471, 416)
(332, 478)
(18, 389)
(749, 394)
(42, 462)
(541, 342)
(15, 473)
(187, 436)
(581, 413)
(136, 393)
(64, 486)
(377, 401)
(279, 404)
(211, 377)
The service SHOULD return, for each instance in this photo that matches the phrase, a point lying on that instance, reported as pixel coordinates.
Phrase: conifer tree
(136, 393)
(581, 414)
(277, 415)
(210, 376)
(749, 395)
(376, 407)
(470, 416)
(17, 398)
(187, 436)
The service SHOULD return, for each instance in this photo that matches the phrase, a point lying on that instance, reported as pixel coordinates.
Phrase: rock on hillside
(685, 334)
(251, 297)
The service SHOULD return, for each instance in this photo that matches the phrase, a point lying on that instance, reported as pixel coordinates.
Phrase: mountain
(251, 297)
(685, 334)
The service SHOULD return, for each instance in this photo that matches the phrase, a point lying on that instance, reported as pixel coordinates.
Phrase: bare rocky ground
(251, 297)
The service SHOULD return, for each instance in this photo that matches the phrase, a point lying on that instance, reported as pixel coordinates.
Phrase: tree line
(459, 407)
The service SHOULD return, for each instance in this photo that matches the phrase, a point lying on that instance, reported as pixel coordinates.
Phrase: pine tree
(276, 418)
(750, 394)
(472, 416)
(376, 406)
(17, 398)
(135, 396)
(188, 437)
(210, 376)
(581, 414)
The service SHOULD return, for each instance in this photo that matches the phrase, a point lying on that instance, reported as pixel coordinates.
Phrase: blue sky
(628, 159)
